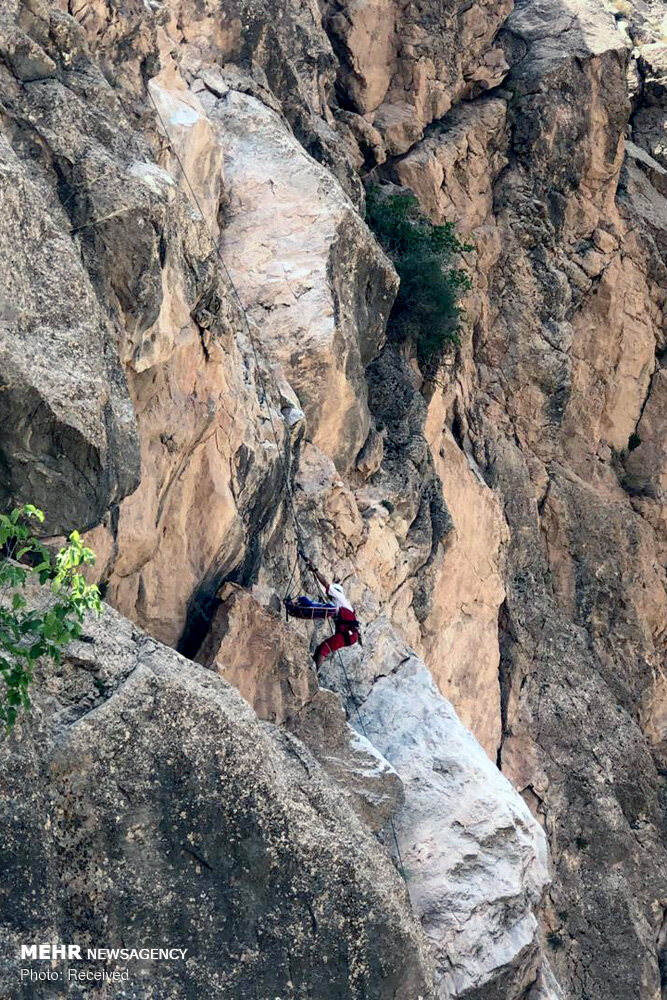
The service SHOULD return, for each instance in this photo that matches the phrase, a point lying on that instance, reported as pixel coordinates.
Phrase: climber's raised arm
(315, 571)
(338, 608)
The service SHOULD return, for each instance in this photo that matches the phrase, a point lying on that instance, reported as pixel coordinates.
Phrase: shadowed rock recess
(472, 804)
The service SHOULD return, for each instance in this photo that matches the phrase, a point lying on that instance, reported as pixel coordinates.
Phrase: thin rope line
(96, 222)
(260, 376)
(243, 311)
(289, 582)
(365, 732)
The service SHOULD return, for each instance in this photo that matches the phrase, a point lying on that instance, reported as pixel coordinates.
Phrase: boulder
(144, 805)
(267, 661)
(475, 858)
(364, 775)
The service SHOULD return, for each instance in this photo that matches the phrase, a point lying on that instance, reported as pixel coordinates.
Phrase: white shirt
(339, 597)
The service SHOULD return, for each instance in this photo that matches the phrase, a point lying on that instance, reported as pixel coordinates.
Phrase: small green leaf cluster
(27, 635)
(426, 312)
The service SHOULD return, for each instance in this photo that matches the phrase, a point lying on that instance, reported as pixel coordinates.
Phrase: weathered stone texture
(403, 66)
(565, 358)
(474, 857)
(307, 269)
(145, 803)
(510, 522)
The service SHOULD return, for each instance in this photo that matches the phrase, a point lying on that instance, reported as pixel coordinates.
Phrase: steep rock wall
(564, 356)
(144, 801)
(403, 66)
(317, 286)
(219, 425)
(511, 525)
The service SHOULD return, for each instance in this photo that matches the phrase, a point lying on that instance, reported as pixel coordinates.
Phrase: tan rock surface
(613, 357)
(269, 663)
(368, 32)
(197, 448)
(535, 589)
(402, 66)
(567, 321)
(562, 358)
(287, 226)
(193, 155)
(460, 636)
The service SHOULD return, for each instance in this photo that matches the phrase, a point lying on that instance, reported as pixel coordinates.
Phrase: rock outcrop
(474, 857)
(69, 431)
(403, 66)
(565, 355)
(144, 802)
(270, 665)
(308, 271)
(154, 324)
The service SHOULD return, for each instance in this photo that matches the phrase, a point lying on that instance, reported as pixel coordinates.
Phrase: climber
(340, 609)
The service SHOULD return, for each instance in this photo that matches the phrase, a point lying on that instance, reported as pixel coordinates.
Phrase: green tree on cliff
(29, 634)
(427, 312)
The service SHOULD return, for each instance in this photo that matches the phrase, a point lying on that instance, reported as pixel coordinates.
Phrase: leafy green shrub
(426, 312)
(26, 635)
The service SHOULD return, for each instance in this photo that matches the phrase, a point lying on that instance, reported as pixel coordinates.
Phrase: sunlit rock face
(269, 663)
(403, 66)
(474, 856)
(308, 271)
(501, 533)
(563, 359)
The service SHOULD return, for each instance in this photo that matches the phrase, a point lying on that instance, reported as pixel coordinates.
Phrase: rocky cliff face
(149, 803)
(194, 312)
(567, 342)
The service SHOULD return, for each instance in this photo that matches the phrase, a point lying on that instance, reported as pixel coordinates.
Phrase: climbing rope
(248, 329)
(354, 701)
(288, 485)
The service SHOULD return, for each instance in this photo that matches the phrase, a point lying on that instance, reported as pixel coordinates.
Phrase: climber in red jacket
(340, 609)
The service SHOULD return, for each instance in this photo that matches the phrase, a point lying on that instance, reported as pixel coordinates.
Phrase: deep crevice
(505, 638)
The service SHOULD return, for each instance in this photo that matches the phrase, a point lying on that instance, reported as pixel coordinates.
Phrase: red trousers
(336, 641)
